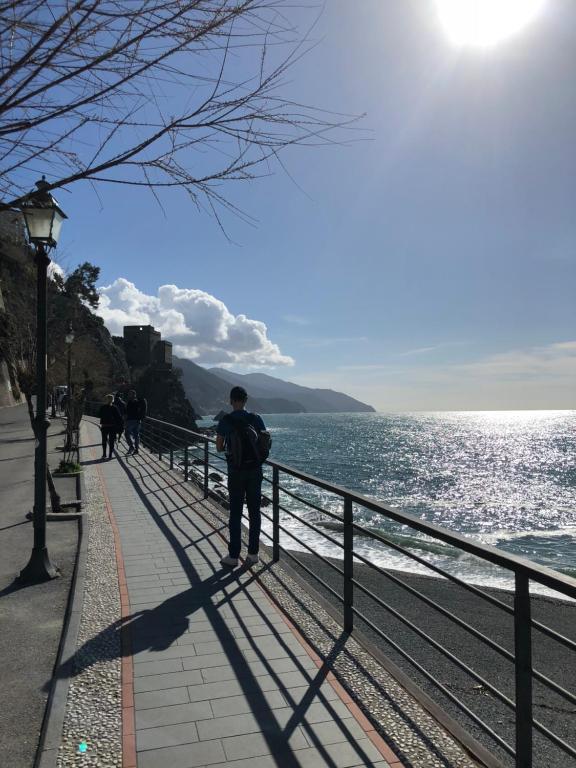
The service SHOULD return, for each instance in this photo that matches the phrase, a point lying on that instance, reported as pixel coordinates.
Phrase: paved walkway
(220, 678)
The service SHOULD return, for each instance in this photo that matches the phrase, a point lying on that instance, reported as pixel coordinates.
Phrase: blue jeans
(133, 431)
(244, 484)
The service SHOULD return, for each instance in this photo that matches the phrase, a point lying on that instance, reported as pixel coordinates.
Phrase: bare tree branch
(159, 93)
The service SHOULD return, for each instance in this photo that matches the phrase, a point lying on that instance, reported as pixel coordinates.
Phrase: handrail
(540, 573)
(165, 439)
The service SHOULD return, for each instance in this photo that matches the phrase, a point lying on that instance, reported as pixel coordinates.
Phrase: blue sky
(431, 265)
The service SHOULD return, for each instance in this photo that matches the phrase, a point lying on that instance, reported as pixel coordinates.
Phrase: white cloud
(198, 324)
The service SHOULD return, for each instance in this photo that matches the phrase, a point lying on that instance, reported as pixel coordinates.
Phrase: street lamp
(69, 339)
(43, 217)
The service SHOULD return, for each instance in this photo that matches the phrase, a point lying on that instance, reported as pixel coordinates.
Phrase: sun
(482, 23)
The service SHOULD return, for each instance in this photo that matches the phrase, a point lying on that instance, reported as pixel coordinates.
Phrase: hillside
(313, 400)
(208, 391)
(209, 394)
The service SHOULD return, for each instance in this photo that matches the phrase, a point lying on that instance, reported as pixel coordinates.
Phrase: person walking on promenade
(136, 410)
(110, 423)
(244, 438)
(121, 405)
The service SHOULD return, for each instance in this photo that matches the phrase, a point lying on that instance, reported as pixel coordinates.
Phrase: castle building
(143, 347)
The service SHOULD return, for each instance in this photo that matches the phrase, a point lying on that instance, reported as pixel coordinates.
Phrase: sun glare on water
(482, 23)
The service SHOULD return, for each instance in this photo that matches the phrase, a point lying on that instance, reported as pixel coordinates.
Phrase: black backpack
(246, 445)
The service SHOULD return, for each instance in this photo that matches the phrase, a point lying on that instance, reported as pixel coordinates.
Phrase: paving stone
(172, 715)
(166, 736)
(239, 705)
(173, 652)
(262, 630)
(202, 638)
(186, 756)
(256, 744)
(250, 688)
(168, 680)
(333, 733)
(158, 667)
(162, 698)
(302, 758)
(302, 693)
(216, 660)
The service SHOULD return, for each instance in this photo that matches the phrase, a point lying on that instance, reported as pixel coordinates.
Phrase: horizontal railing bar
(311, 573)
(540, 573)
(454, 699)
(454, 579)
(435, 644)
(196, 435)
(313, 551)
(311, 504)
(554, 635)
(313, 527)
(563, 745)
(554, 686)
(444, 611)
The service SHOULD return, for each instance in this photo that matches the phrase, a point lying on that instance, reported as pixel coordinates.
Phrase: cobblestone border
(92, 730)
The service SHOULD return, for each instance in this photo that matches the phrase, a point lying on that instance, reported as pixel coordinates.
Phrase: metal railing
(191, 453)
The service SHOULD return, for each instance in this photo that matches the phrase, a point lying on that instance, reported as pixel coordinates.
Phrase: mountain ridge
(208, 391)
(314, 400)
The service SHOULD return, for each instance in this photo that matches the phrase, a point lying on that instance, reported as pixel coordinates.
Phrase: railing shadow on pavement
(338, 640)
(158, 628)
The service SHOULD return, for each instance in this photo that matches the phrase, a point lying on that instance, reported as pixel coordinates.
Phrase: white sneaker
(231, 562)
(252, 559)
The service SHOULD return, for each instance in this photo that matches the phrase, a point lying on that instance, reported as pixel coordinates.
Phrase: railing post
(275, 514)
(206, 466)
(171, 438)
(523, 670)
(348, 566)
(186, 462)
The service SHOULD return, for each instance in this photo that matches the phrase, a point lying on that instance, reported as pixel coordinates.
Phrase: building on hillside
(163, 355)
(143, 347)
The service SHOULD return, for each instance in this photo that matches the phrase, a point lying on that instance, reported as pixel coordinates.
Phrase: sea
(503, 478)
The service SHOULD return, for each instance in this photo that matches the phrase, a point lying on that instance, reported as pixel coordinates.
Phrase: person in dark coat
(111, 423)
(121, 405)
(136, 410)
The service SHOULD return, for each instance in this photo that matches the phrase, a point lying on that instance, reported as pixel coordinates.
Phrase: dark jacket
(110, 417)
(136, 410)
(120, 404)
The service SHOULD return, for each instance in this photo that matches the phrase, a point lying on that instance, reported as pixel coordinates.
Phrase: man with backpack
(244, 437)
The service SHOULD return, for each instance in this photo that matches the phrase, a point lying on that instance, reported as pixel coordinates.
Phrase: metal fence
(193, 453)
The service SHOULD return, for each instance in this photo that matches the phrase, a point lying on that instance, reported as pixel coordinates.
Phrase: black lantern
(43, 216)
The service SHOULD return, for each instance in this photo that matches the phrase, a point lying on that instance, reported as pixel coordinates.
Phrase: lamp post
(69, 339)
(43, 217)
